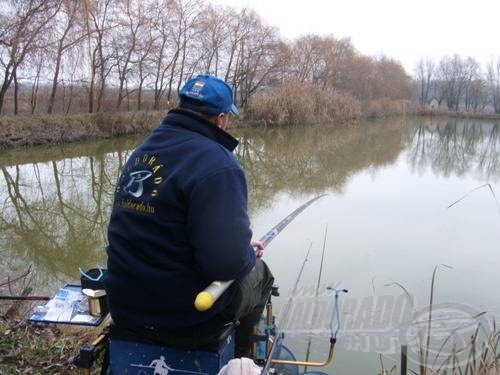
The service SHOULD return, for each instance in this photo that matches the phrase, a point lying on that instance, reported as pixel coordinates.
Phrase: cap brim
(234, 110)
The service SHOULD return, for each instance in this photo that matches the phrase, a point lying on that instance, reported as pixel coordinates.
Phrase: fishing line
(322, 260)
(284, 316)
(315, 311)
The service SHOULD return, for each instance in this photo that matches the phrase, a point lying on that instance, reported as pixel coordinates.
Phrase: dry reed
(296, 103)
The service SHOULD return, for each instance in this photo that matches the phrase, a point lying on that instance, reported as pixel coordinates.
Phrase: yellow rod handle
(206, 299)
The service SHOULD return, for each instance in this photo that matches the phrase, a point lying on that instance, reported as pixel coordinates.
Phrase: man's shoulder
(209, 150)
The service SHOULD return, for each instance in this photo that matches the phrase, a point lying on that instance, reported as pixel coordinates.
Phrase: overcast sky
(401, 29)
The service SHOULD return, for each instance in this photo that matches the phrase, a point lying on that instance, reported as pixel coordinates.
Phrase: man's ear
(219, 120)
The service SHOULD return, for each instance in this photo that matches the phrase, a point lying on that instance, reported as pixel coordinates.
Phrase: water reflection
(56, 201)
(456, 147)
(55, 208)
(311, 160)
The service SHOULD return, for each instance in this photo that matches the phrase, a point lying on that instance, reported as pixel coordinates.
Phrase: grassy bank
(39, 130)
(290, 104)
(285, 106)
(36, 349)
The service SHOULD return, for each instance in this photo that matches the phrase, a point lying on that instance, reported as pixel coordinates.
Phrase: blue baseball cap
(207, 94)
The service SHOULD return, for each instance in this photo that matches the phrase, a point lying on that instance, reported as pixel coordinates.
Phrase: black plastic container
(93, 278)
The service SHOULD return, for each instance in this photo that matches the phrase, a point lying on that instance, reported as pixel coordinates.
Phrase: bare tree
(22, 22)
(212, 35)
(236, 31)
(260, 63)
(256, 59)
(307, 59)
(188, 12)
(334, 57)
(477, 95)
(38, 60)
(143, 63)
(472, 73)
(453, 77)
(64, 24)
(103, 53)
(493, 82)
(165, 40)
(74, 60)
(424, 74)
(98, 26)
(132, 23)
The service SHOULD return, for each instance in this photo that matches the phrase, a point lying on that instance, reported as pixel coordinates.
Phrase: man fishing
(179, 221)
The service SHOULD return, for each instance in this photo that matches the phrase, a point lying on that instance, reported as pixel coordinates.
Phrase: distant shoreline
(27, 131)
(462, 115)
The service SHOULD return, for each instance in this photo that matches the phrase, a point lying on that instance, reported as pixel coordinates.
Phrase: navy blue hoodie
(179, 222)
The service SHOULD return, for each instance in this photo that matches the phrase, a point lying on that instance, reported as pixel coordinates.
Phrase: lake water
(389, 185)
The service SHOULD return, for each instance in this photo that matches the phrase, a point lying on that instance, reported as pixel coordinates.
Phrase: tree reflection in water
(56, 204)
(456, 147)
(56, 201)
(311, 160)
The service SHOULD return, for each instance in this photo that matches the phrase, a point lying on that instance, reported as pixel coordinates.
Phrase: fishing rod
(284, 316)
(25, 298)
(206, 299)
(334, 327)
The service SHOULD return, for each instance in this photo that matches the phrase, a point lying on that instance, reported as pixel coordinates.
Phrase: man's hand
(259, 248)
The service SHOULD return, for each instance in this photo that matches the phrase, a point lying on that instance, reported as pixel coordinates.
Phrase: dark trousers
(251, 296)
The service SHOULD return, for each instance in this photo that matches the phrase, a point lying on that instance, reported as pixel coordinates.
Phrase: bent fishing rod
(278, 337)
(206, 299)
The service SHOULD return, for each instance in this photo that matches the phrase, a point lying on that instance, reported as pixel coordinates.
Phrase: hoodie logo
(140, 182)
(135, 186)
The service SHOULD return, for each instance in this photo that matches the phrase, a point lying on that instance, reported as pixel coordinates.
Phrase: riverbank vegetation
(447, 338)
(30, 349)
(105, 57)
(111, 56)
(102, 56)
(298, 104)
(47, 129)
(27, 348)
(458, 84)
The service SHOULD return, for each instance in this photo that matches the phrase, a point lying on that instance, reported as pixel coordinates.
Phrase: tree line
(459, 84)
(66, 56)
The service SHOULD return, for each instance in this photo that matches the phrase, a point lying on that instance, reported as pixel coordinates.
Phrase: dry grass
(386, 107)
(481, 351)
(302, 104)
(39, 349)
(36, 130)
(27, 348)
